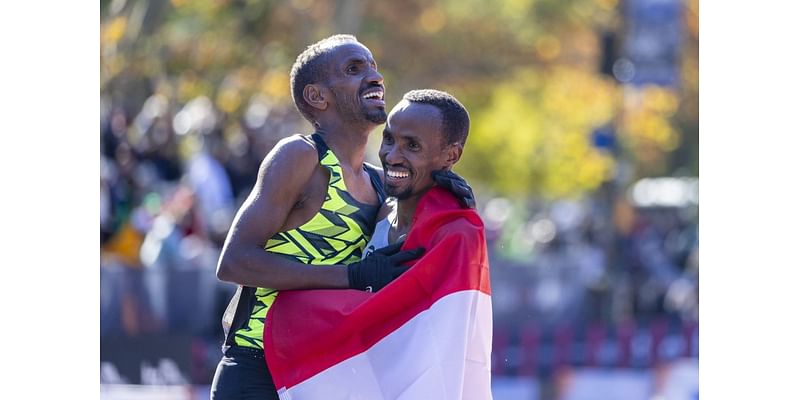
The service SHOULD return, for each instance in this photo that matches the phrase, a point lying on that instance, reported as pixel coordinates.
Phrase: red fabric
(308, 331)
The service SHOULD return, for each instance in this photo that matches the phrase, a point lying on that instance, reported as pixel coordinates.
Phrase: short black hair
(455, 118)
(310, 68)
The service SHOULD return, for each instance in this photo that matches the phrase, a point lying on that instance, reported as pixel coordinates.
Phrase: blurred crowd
(585, 281)
(171, 180)
(593, 282)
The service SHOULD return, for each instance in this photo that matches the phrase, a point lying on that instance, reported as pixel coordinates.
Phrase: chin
(378, 117)
(399, 195)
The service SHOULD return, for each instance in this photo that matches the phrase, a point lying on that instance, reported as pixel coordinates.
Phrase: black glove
(381, 267)
(456, 185)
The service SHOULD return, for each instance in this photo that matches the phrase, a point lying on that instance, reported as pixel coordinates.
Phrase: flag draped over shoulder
(427, 335)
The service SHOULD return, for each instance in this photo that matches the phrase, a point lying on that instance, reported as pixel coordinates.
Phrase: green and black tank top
(337, 234)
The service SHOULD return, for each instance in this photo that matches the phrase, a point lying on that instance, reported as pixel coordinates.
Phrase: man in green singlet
(311, 212)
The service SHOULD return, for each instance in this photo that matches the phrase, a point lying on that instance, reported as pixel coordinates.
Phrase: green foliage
(534, 135)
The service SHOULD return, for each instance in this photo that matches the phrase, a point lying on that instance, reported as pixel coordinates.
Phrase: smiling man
(450, 339)
(424, 137)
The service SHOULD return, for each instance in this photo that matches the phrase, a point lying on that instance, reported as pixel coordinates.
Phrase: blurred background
(583, 154)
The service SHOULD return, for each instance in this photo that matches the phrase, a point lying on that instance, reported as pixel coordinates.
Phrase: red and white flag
(427, 335)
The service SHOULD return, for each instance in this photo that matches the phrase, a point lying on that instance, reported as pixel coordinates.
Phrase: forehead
(409, 118)
(343, 52)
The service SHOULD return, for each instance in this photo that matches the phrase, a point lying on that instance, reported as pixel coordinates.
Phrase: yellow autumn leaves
(535, 134)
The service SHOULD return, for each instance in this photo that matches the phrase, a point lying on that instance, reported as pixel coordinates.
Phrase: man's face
(356, 85)
(412, 147)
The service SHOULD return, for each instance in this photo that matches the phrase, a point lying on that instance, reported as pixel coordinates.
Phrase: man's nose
(391, 155)
(375, 77)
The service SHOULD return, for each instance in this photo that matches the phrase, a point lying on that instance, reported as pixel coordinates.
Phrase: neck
(348, 142)
(405, 212)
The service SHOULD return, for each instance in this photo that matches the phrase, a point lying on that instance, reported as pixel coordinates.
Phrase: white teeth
(398, 175)
(373, 95)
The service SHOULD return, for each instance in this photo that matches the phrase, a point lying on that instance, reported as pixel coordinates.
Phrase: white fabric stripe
(442, 353)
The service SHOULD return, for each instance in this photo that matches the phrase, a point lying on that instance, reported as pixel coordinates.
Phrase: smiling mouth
(396, 175)
(374, 96)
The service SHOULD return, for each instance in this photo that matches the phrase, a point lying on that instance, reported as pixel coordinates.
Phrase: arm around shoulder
(283, 173)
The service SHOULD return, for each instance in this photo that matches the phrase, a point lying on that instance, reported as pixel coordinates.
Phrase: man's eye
(413, 146)
(387, 139)
(352, 69)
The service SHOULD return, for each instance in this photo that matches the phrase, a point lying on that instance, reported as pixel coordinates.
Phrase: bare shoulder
(291, 155)
(294, 146)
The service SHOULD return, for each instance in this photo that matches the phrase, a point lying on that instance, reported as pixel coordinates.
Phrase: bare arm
(281, 178)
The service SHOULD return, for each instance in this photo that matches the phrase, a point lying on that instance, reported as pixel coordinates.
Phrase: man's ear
(316, 96)
(453, 154)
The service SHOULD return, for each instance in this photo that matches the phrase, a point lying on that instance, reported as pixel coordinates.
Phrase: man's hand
(456, 185)
(381, 267)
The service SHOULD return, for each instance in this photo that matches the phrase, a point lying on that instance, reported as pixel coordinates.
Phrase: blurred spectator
(212, 189)
(180, 268)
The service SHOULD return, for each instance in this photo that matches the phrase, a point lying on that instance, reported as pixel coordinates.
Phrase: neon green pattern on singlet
(337, 234)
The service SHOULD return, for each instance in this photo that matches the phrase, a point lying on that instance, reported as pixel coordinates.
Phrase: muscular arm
(281, 178)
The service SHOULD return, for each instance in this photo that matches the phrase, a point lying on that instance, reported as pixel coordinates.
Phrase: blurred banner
(675, 381)
(147, 359)
(652, 44)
